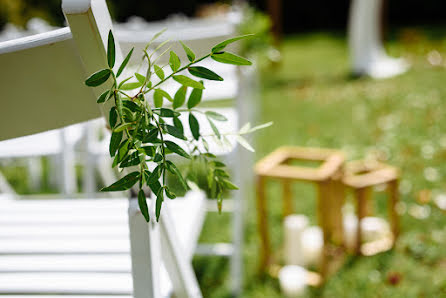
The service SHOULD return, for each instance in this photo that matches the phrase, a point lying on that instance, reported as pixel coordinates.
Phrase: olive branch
(139, 125)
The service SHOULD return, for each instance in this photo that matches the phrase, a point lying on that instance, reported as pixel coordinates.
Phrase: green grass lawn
(313, 102)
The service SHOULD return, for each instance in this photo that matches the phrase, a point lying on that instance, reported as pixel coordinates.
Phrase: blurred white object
(419, 211)
(312, 245)
(292, 281)
(368, 56)
(440, 201)
(38, 25)
(350, 222)
(294, 225)
(374, 228)
(57, 143)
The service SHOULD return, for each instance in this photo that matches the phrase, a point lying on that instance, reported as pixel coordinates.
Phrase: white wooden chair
(237, 92)
(367, 53)
(80, 247)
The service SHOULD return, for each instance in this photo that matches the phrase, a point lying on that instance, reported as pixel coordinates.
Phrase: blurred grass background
(314, 102)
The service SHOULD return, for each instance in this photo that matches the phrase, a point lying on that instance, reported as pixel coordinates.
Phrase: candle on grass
(294, 225)
(312, 245)
(293, 281)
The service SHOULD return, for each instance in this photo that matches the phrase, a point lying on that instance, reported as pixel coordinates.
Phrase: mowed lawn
(314, 102)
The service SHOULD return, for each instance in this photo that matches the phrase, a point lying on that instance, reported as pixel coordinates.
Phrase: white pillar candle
(350, 223)
(312, 245)
(293, 281)
(294, 225)
(374, 228)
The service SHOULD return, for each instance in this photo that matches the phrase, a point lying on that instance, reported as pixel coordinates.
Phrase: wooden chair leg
(362, 198)
(393, 200)
(263, 224)
(287, 198)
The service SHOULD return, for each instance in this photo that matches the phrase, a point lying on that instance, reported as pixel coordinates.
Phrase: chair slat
(43, 82)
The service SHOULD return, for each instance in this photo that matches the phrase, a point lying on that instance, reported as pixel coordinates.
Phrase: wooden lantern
(361, 176)
(327, 178)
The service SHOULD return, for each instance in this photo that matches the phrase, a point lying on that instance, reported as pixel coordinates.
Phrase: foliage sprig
(140, 119)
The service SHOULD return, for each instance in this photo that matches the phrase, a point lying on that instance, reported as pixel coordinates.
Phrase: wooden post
(393, 215)
(287, 197)
(337, 201)
(323, 216)
(362, 198)
(263, 224)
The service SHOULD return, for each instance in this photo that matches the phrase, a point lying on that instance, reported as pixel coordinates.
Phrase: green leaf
(131, 160)
(221, 173)
(174, 61)
(194, 126)
(111, 55)
(155, 37)
(123, 82)
(124, 63)
(140, 78)
(155, 175)
(219, 47)
(115, 140)
(158, 157)
(124, 183)
(228, 184)
(119, 104)
(122, 153)
(131, 106)
(148, 150)
(159, 72)
(143, 205)
(163, 112)
(173, 131)
(122, 127)
(189, 53)
(160, 93)
(155, 187)
(249, 130)
(104, 96)
(186, 81)
(194, 98)
(98, 78)
(151, 136)
(158, 98)
(169, 194)
(242, 141)
(113, 117)
(203, 72)
(174, 170)
(180, 97)
(216, 116)
(229, 58)
(177, 123)
(214, 128)
(131, 86)
(176, 149)
(218, 164)
(159, 202)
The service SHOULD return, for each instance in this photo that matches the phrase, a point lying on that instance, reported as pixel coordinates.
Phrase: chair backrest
(42, 75)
